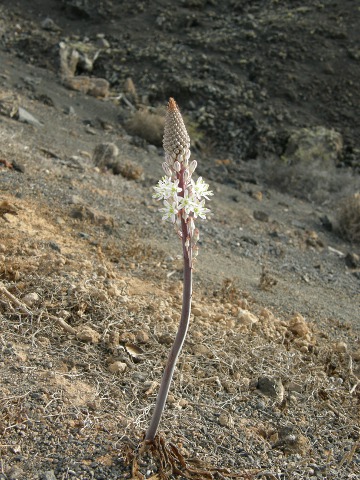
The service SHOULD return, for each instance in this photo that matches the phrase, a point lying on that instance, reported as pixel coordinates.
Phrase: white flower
(201, 189)
(200, 210)
(186, 202)
(166, 188)
(170, 211)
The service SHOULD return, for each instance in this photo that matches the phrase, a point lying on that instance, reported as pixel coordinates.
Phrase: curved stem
(178, 343)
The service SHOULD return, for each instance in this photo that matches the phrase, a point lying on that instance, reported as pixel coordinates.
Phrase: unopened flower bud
(192, 167)
(169, 160)
(166, 169)
(176, 139)
(186, 176)
(177, 166)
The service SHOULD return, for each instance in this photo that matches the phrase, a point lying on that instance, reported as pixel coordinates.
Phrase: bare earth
(268, 383)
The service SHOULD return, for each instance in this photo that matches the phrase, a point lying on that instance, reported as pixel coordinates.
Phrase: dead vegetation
(148, 125)
(83, 343)
(349, 218)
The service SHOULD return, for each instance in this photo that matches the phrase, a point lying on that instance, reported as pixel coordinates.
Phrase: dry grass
(148, 125)
(349, 218)
(59, 395)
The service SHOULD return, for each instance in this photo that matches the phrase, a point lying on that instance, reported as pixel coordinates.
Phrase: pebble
(48, 475)
(340, 347)
(247, 318)
(271, 387)
(15, 473)
(26, 117)
(87, 334)
(225, 420)
(298, 325)
(117, 367)
(30, 299)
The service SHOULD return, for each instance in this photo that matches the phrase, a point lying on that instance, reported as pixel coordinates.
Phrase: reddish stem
(180, 336)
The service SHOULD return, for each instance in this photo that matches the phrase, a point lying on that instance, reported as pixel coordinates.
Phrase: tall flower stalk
(183, 202)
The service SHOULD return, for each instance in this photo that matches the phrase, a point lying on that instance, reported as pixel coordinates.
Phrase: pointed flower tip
(172, 105)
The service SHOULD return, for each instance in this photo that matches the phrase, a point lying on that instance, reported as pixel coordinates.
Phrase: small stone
(225, 420)
(48, 475)
(183, 402)
(340, 347)
(261, 216)
(87, 334)
(15, 473)
(298, 326)
(142, 336)
(105, 155)
(102, 43)
(196, 312)
(26, 117)
(202, 350)
(30, 299)
(247, 318)
(271, 387)
(352, 260)
(292, 442)
(171, 399)
(117, 367)
(49, 24)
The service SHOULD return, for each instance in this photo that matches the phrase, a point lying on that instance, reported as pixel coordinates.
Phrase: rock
(101, 42)
(292, 442)
(340, 347)
(247, 318)
(30, 299)
(196, 311)
(96, 87)
(271, 387)
(225, 420)
(142, 336)
(117, 367)
(15, 473)
(49, 24)
(352, 260)
(298, 326)
(48, 475)
(87, 334)
(261, 216)
(84, 212)
(26, 117)
(105, 155)
(314, 146)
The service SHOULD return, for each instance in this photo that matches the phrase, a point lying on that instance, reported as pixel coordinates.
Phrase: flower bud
(177, 166)
(186, 176)
(166, 169)
(192, 167)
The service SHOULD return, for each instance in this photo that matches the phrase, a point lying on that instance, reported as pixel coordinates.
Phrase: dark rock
(352, 260)
(271, 387)
(261, 216)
